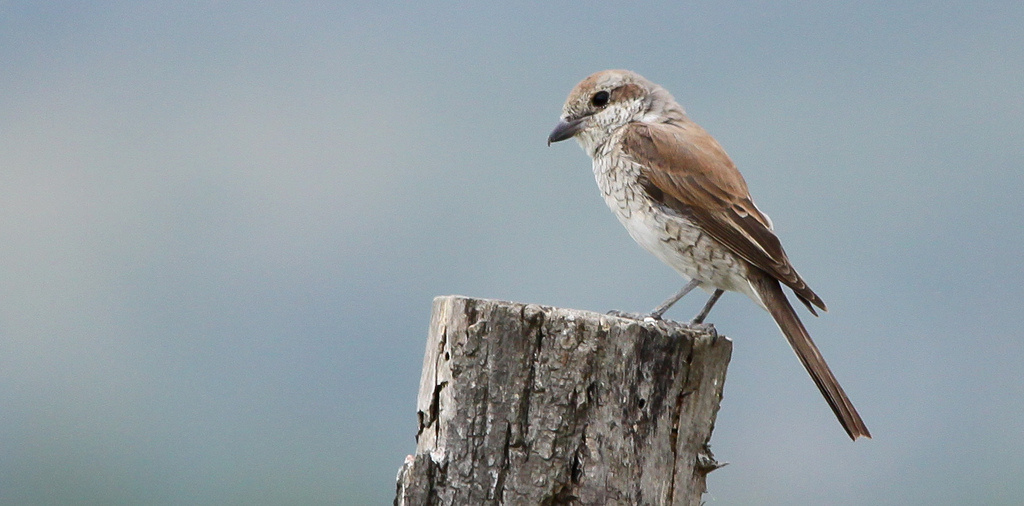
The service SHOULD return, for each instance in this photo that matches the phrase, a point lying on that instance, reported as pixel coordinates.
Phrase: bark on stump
(527, 404)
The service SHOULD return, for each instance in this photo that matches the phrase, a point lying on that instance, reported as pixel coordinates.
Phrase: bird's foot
(656, 317)
(694, 324)
(708, 328)
(632, 316)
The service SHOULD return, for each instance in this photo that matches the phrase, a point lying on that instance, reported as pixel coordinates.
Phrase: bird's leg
(707, 308)
(660, 310)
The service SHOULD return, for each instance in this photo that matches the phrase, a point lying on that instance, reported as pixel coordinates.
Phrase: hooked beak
(565, 130)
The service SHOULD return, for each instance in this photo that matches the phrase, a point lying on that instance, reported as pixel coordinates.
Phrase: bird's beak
(565, 130)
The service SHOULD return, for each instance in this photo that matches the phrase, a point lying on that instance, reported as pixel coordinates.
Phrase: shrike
(680, 197)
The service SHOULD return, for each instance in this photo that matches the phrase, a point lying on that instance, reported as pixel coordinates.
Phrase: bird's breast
(675, 239)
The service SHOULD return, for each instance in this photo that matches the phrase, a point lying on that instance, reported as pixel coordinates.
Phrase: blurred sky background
(222, 225)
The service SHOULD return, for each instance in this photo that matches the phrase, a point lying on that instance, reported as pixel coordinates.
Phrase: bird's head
(608, 100)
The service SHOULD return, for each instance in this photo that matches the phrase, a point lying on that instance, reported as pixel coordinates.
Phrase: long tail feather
(778, 305)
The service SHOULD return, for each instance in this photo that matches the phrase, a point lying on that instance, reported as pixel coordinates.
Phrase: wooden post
(527, 404)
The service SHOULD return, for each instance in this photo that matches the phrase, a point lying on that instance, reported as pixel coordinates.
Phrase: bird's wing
(688, 171)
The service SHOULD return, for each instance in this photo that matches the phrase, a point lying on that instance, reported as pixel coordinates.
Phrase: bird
(680, 196)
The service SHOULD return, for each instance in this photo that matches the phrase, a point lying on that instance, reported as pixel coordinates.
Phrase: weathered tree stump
(526, 404)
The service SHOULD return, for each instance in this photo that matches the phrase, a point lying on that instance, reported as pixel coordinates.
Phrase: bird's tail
(775, 301)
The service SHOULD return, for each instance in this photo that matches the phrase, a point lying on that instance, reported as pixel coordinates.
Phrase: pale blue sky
(222, 226)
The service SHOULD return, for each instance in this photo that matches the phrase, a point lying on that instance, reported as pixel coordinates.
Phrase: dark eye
(600, 99)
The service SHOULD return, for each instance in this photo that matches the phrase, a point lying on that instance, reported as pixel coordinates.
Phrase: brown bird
(681, 197)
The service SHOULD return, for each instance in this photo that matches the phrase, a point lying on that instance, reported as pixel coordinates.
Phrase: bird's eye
(600, 99)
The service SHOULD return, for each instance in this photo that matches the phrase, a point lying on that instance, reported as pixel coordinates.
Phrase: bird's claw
(708, 328)
(633, 316)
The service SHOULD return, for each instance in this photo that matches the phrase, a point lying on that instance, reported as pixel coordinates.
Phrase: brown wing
(689, 171)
